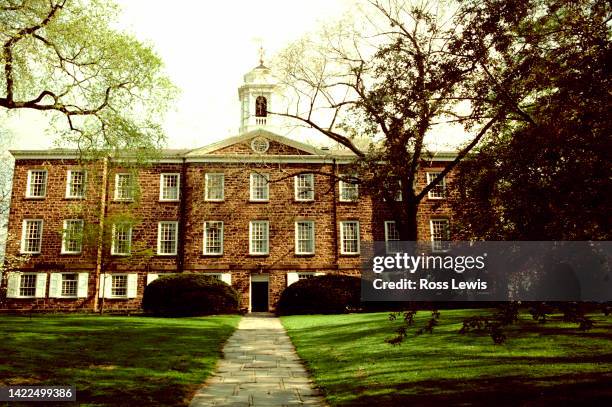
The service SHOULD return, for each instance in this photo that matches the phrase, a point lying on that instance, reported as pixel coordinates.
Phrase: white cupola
(257, 95)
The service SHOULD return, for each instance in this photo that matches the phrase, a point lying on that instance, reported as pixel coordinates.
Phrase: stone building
(256, 210)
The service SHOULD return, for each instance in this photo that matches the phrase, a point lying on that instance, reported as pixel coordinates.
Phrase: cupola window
(261, 107)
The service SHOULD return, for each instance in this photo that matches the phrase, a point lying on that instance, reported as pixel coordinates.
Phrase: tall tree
(66, 57)
(549, 177)
(401, 71)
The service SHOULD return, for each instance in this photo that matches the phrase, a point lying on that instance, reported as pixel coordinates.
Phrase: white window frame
(114, 241)
(388, 245)
(207, 177)
(252, 187)
(29, 184)
(344, 186)
(162, 185)
(64, 229)
(312, 238)
(309, 189)
(342, 223)
(61, 287)
(159, 237)
(20, 275)
(69, 184)
(267, 235)
(131, 190)
(205, 241)
(433, 194)
(126, 275)
(437, 246)
(23, 236)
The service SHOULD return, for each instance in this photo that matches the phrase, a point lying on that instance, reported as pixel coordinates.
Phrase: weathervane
(261, 55)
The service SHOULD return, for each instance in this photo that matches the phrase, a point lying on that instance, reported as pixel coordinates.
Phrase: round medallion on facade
(260, 145)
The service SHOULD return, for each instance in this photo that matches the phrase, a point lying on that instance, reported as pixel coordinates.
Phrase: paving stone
(259, 368)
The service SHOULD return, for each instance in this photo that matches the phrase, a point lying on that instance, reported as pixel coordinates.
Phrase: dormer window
(261, 107)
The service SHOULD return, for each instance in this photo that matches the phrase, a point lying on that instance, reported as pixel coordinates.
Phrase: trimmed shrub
(328, 294)
(189, 295)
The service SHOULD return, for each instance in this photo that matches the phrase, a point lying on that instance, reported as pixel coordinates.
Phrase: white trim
(29, 183)
(296, 195)
(429, 177)
(343, 185)
(23, 232)
(267, 231)
(178, 187)
(63, 249)
(14, 289)
(204, 238)
(69, 181)
(313, 239)
(131, 198)
(267, 185)
(113, 253)
(152, 277)
(206, 178)
(56, 285)
(342, 251)
(431, 234)
(159, 230)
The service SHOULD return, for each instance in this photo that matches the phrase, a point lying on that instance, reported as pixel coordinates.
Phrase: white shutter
(132, 285)
(319, 274)
(41, 285)
(151, 277)
(292, 278)
(83, 285)
(12, 285)
(55, 285)
(106, 283)
(226, 278)
(101, 287)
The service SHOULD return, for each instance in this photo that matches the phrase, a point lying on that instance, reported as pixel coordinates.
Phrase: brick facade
(236, 160)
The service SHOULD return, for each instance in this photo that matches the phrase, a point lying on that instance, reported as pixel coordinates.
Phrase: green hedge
(189, 295)
(328, 294)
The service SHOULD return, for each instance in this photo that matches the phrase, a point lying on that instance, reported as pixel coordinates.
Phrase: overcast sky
(207, 47)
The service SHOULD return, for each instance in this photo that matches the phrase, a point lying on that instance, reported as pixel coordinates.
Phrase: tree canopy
(67, 57)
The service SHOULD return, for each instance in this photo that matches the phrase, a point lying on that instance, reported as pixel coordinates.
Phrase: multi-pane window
(72, 236)
(305, 276)
(167, 237)
(304, 237)
(259, 237)
(27, 285)
(391, 236)
(439, 234)
(169, 187)
(119, 285)
(37, 184)
(349, 189)
(439, 191)
(75, 184)
(304, 187)
(31, 235)
(349, 237)
(213, 237)
(260, 188)
(122, 239)
(124, 187)
(214, 187)
(70, 284)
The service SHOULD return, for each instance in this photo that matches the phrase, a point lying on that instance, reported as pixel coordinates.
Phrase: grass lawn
(113, 360)
(551, 364)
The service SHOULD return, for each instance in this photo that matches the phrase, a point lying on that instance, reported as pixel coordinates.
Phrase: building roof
(300, 153)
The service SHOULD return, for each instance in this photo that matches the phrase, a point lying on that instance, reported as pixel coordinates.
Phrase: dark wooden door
(259, 296)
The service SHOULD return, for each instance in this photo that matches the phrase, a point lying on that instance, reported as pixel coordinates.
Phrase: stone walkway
(259, 368)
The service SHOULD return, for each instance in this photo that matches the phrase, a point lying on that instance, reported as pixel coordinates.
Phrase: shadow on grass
(539, 365)
(114, 360)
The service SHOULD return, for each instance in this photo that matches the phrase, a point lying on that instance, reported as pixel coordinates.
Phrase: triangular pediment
(242, 145)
